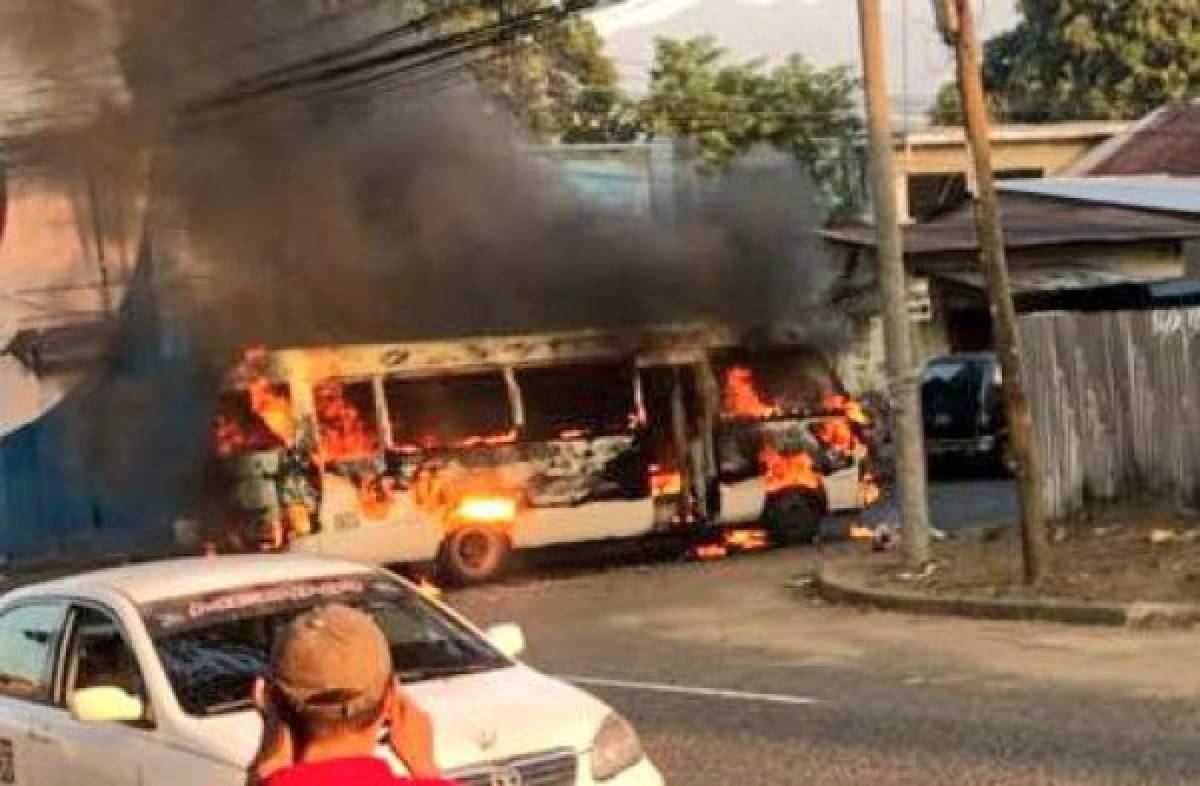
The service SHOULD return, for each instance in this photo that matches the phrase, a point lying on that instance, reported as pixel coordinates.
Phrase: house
(932, 163)
(1060, 235)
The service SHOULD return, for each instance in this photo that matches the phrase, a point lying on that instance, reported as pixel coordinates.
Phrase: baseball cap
(333, 662)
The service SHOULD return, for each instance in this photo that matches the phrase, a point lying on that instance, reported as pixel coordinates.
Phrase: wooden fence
(1116, 405)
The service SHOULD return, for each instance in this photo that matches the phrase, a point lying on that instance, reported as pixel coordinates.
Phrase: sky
(824, 31)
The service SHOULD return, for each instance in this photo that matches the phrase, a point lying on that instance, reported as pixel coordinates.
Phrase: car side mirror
(509, 639)
(106, 704)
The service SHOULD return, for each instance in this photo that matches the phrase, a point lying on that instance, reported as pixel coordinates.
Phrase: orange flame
(742, 398)
(274, 410)
(344, 431)
(836, 434)
(794, 470)
(273, 422)
(374, 497)
(707, 552)
(486, 509)
(665, 482)
(850, 407)
(747, 539)
(491, 440)
(859, 532)
(868, 490)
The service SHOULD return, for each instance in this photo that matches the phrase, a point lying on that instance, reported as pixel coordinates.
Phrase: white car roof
(154, 581)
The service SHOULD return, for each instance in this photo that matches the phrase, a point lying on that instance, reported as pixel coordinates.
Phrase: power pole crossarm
(1004, 318)
(910, 449)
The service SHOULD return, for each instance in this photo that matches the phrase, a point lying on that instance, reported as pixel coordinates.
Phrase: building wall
(1033, 151)
(643, 178)
(104, 470)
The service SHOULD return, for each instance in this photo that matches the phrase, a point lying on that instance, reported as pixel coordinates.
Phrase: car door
(96, 653)
(30, 633)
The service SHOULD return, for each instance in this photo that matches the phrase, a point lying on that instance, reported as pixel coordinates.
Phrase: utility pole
(956, 22)
(893, 288)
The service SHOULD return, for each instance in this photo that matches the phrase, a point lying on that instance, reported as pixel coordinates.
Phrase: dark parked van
(963, 409)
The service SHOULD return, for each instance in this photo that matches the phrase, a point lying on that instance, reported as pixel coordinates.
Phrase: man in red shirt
(326, 702)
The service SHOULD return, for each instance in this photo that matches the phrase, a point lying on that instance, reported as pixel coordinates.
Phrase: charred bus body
(461, 451)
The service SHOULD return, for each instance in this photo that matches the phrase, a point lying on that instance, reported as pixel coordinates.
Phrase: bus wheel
(471, 555)
(793, 517)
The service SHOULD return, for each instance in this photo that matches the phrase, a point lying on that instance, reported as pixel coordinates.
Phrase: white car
(140, 675)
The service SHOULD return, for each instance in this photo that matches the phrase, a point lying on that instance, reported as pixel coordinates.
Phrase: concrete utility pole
(956, 21)
(893, 287)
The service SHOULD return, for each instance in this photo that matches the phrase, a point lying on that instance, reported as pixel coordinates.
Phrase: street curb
(836, 587)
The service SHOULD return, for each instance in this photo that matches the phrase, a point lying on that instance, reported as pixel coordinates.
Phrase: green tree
(558, 81)
(1089, 60)
(725, 109)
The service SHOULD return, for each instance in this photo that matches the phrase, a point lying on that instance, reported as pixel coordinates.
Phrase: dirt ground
(1123, 554)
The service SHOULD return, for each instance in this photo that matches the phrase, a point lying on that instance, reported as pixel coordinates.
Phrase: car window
(29, 636)
(100, 656)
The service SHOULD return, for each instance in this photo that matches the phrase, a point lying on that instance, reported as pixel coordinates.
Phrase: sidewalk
(854, 579)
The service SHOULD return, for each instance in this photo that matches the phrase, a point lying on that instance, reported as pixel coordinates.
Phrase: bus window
(577, 400)
(239, 429)
(346, 418)
(450, 411)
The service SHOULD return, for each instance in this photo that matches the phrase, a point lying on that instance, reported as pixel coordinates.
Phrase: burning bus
(462, 451)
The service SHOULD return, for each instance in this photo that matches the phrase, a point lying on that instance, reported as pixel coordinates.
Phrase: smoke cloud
(322, 218)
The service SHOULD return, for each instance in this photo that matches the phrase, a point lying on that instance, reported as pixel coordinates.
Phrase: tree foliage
(558, 81)
(1090, 60)
(725, 109)
(564, 88)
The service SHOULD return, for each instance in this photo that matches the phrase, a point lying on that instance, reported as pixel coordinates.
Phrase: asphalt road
(733, 679)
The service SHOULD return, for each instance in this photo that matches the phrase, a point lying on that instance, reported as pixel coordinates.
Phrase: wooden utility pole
(893, 288)
(956, 20)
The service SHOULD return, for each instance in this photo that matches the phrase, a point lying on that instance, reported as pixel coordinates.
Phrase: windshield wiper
(228, 706)
(455, 670)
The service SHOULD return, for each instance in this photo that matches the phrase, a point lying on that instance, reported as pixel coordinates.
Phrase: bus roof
(659, 345)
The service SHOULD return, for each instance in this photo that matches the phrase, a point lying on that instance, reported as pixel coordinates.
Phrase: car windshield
(951, 379)
(213, 646)
(950, 372)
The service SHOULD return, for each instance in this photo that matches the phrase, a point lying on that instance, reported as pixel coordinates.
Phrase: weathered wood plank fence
(1116, 405)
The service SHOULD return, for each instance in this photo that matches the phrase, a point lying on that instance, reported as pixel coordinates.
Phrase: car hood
(478, 717)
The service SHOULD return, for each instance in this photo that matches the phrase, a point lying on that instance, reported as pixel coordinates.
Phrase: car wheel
(793, 517)
(471, 555)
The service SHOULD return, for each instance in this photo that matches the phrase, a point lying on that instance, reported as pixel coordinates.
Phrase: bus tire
(793, 517)
(473, 555)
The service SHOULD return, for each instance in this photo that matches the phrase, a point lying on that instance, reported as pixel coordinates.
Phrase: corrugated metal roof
(1154, 192)
(1166, 141)
(1044, 279)
(1032, 222)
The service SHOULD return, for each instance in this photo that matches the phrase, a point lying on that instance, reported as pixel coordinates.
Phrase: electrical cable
(426, 51)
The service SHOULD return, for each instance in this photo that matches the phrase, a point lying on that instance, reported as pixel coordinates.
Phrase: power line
(313, 64)
(332, 67)
(278, 36)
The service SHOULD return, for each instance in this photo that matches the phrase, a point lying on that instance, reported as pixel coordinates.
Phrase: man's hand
(411, 735)
(277, 749)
